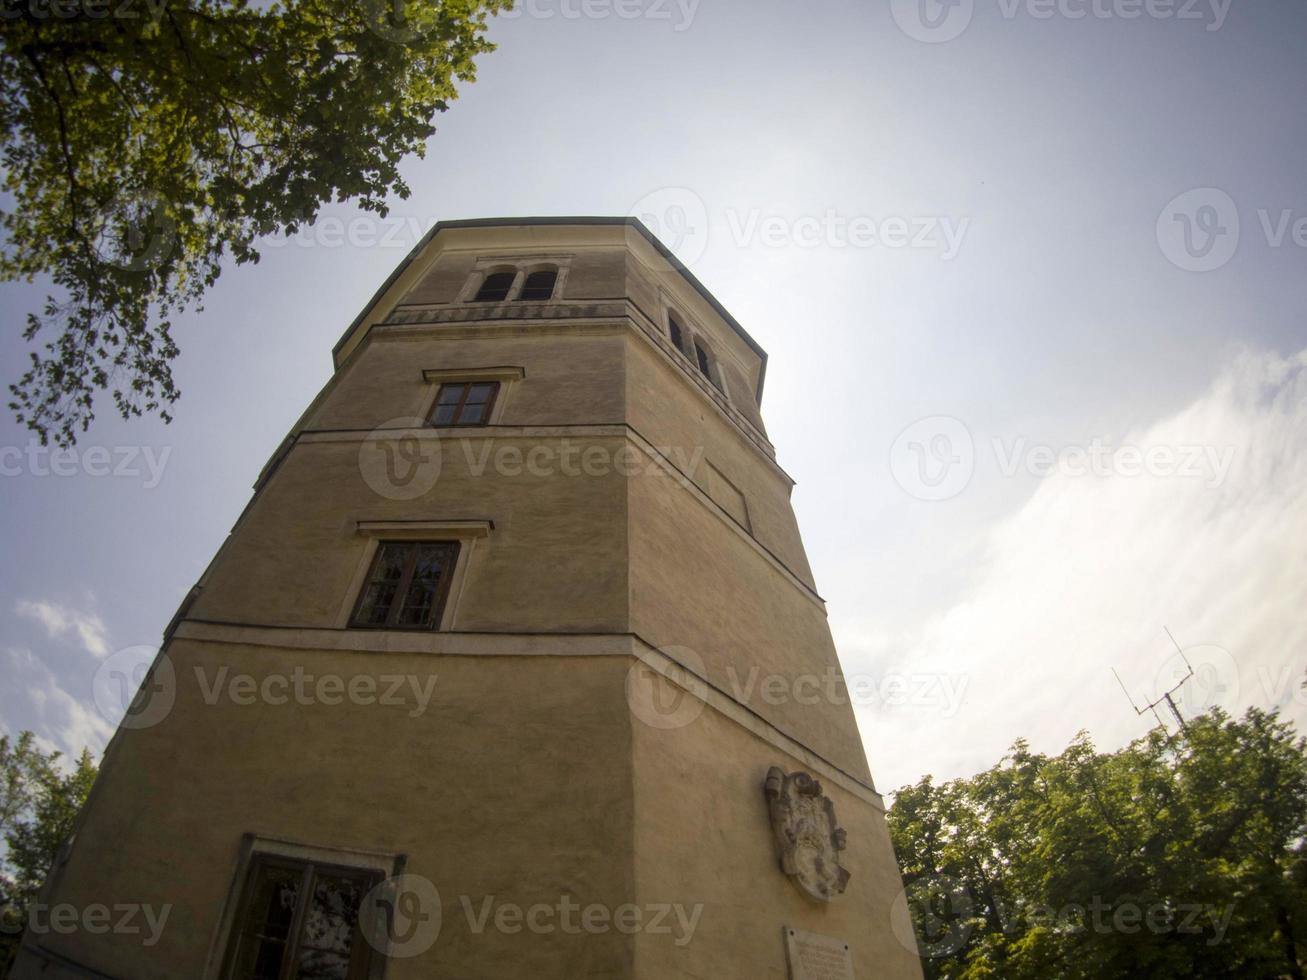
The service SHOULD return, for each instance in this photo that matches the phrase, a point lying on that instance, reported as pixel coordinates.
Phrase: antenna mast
(1166, 696)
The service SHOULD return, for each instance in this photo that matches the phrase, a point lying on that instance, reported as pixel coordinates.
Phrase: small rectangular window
(465, 403)
(407, 586)
(300, 921)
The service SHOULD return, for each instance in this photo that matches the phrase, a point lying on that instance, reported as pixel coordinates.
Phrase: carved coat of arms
(808, 838)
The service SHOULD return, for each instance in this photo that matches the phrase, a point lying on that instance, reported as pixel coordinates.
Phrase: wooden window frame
(461, 404)
(308, 870)
(438, 602)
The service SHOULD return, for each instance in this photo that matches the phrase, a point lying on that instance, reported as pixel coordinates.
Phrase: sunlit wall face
(991, 249)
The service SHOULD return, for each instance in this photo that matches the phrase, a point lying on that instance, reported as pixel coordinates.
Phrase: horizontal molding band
(483, 644)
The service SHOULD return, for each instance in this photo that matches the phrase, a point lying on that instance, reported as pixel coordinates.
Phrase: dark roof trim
(635, 223)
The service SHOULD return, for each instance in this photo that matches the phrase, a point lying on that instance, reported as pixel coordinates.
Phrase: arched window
(675, 330)
(539, 285)
(495, 288)
(704, 361)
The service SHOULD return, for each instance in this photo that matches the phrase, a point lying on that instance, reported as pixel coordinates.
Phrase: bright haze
(1031, 276)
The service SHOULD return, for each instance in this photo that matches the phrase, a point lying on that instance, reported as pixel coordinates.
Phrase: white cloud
(36, 699)
(1086, 575)
(60, 620)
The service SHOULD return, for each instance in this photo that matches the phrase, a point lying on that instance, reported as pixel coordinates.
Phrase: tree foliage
(146, 139)
(1165, 859)
(39, 802)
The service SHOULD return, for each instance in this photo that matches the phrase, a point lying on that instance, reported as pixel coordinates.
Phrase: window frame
(439, 602)
(520, 266)
(308, 868)
(510, 272)
(676, 332)
(496, 387)
(521, 296)
(706, 363)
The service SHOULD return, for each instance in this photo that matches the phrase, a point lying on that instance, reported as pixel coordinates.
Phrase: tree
(1179, 858)
(39, 803)
(146, 139)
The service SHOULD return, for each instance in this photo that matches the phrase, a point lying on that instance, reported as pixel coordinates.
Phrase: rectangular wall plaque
(814, 957)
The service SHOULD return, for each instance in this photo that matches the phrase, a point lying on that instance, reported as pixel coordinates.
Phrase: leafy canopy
(1162, 860)
(145, 139)
(39, 803)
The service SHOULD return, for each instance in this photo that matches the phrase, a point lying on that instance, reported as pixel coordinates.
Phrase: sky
(1031, 278)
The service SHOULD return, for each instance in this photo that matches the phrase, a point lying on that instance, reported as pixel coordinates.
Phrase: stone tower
(513, 667)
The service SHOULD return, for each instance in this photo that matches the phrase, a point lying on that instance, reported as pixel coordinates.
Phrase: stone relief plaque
(808, 839)
(814, 957)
